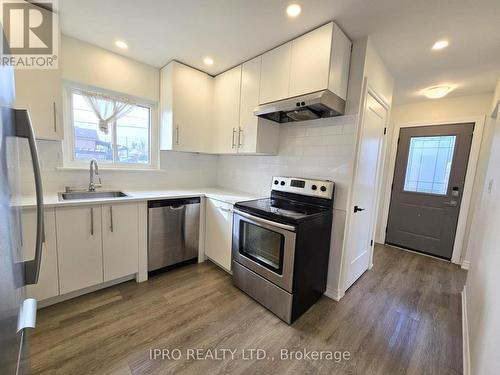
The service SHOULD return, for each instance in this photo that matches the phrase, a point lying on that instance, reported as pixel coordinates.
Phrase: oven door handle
(264, 221)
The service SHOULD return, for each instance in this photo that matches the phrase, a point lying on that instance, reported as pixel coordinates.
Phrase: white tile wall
(320, 149)
(178, 170)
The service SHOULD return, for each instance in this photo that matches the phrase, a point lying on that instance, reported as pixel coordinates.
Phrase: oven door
(265, 247)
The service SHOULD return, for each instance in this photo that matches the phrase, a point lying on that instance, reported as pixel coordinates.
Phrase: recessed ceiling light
(121, 44)
(437, 92)
(293, 10)
(208, 61)
(440, 44)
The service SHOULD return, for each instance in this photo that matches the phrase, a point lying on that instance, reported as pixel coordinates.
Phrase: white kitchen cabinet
(255, 135)
(315, 61)
(120, 240)
(218, 232)
(310, 62)
(48, 281)
(79, 247)
(227, 110)
(40, 92)
(186, 101)
(275, 74)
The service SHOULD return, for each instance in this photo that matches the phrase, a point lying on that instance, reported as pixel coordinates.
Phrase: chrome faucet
(92, 184)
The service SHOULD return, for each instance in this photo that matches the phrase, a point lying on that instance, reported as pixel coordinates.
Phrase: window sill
(112, 169)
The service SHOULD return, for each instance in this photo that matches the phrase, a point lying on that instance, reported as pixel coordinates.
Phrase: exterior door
(429, 177)
(364, 198)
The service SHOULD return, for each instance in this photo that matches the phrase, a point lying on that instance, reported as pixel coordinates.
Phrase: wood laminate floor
(401, 317)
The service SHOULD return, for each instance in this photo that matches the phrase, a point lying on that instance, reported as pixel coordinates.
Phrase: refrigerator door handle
(24, 129)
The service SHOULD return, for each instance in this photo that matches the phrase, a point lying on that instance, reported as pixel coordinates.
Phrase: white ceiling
(232, 31)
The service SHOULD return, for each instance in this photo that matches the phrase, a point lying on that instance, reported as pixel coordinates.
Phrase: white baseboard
(465, 265)
(334, 294)
(465, 336)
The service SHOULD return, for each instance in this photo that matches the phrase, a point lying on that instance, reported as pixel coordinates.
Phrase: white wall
(430, 111)
(89, 65)
(483, 279)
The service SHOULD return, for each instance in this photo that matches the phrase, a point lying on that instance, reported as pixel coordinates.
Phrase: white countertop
(52, 200)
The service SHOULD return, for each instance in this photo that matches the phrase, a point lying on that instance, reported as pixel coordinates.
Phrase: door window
(429, 164)
(262, 246)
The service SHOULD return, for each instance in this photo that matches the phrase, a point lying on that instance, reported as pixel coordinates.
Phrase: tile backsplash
(177, 170)
(321, 149)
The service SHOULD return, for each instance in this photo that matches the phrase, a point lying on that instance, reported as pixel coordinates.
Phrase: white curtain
(107, 109)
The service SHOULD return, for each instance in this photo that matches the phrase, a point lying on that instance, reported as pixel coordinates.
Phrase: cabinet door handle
(233, 142)
(92, 221)
(240, 137)
(111, 218)
(225, 209)
(177, 134)
(55, 116)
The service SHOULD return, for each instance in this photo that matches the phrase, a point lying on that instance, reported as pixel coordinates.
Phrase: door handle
(177, 208)
(233, 142)
(55, 116)
(358, 209)
(451, 203)
(177, 134)
(111, 227)
(24, 129)
(240, 137)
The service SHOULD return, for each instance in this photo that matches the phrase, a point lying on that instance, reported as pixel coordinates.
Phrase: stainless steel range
(281, 245)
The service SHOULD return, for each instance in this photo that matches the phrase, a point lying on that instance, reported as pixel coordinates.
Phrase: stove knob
(282, 183)
(314, 187)
(276, 182)
(323, 188)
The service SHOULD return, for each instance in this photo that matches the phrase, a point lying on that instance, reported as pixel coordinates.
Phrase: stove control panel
(304, 186)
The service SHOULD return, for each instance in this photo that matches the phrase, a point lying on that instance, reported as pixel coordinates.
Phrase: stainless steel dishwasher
(173, 231)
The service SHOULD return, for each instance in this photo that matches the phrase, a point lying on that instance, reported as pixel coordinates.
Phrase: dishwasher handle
(177, 203)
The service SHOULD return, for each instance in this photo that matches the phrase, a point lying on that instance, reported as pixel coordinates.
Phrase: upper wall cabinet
(275, 74)
(315, 61)
(255, 135)
(227, 88)
(40, 92)
(237, 129)
(185, 109)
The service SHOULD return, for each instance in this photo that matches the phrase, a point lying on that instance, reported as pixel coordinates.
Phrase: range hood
(312, 106)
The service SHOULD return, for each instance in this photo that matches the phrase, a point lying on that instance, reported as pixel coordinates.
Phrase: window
(127, 141)
(429, 164)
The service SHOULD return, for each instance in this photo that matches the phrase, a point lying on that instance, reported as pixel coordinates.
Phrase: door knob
(357, 209)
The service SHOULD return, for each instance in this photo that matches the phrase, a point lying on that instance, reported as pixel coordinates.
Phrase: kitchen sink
(91, 195)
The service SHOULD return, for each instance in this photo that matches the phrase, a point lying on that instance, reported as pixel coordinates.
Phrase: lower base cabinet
(218, 232)
(96, 244)
(79, 244)
(48, 281)
(120, 240)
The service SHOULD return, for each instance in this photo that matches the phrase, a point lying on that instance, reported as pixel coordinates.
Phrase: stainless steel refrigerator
(17, 313)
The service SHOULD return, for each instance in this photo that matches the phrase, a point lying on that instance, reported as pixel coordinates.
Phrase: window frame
(69, 160)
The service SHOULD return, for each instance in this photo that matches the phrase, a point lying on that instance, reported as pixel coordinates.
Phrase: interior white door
(120, 240)
(364, 196)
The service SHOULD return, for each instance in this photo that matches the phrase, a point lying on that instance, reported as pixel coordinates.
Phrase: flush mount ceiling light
(121, 44)
(293, 10)
(440, 44)
(208, 61)
(436, 92)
